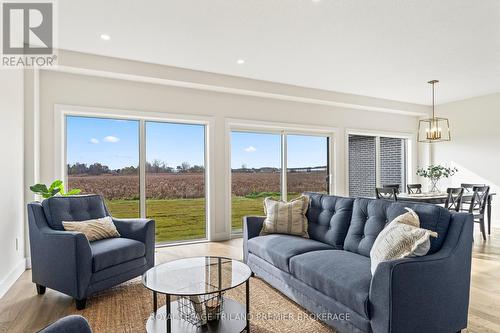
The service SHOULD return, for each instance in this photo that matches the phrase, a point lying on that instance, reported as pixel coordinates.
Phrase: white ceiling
(383, 48)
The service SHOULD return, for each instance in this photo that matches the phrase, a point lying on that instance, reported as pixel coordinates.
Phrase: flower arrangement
(435, 172)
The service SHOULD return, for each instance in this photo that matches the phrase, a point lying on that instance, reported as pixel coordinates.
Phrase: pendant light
(433, 129)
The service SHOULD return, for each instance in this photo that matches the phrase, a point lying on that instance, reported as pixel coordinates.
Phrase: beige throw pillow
(93, 229)
(401, 238)
(286, 217)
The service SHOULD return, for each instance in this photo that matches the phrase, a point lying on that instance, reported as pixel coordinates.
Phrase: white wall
(12, 261)
(475, 144)
(85, 80)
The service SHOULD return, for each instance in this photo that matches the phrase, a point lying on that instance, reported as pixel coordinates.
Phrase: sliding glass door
(255, 173)
(103, 156)
(175, 180)
(307, 164)
(279, 165)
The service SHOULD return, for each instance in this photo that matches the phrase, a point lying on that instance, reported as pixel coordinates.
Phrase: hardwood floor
(21, 310)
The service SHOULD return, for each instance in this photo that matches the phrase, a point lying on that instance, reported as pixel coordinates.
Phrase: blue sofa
(67, 262)
(68, 324)
(329, 274)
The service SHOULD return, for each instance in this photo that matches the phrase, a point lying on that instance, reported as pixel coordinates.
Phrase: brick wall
(392, 162)
(362, 180)
(362, 164)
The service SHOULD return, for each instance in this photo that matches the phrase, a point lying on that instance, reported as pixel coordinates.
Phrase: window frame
(283, 129)
(410, 152)
(61, 111)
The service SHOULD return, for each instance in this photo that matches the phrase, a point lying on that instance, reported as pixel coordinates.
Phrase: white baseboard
(12, 277)
(28, 262)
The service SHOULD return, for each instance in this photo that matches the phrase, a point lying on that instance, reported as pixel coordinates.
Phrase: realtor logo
(27, 34)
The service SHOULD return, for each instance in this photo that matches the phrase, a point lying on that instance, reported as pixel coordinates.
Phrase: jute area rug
(126, 308)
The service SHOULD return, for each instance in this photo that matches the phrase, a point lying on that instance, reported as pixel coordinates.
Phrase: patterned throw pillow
(93, 229)
(286, 217)
(401, 238)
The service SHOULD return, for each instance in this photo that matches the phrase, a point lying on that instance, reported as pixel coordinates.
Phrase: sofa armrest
(142, 230)
(252, 225)
(426, 294)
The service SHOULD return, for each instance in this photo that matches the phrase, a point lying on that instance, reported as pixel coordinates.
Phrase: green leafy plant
(56, 188)
(436, 171)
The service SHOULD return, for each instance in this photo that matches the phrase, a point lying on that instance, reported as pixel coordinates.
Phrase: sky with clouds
(115, 143)
(256, 150)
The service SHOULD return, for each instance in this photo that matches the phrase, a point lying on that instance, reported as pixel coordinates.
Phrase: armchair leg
(40, 289)
(81, 303)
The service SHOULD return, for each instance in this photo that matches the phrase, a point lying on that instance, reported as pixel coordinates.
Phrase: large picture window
(103, 156)
(278, 165)
(376, 161)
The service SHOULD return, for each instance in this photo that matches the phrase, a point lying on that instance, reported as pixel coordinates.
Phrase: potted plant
(56, 188)
(434, 173)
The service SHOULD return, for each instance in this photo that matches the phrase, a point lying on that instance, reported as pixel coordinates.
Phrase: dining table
(439, 198)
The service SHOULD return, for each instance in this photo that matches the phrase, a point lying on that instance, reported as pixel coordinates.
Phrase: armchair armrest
(252, 225)
(425, 294)
(137, 229)
(60, 260)
(142, 230)
(71, 323)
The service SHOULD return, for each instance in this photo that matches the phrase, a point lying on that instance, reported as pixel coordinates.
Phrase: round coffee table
(198, 277)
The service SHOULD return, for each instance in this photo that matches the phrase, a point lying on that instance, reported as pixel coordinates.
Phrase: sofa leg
(81, 303)
(40, 289)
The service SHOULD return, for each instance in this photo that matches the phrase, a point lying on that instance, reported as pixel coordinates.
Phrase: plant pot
(433, 188)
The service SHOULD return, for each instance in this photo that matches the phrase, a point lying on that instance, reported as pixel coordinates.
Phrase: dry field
(192, 185)
(177, 201)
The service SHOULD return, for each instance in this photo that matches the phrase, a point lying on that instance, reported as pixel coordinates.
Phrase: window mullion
(142, 167)
(283, 166)
(377, 161)
(329, 159)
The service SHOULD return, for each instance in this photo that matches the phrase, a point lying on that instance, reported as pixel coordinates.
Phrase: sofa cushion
(369, 216)
(432, 217)
(278, 249)
(73, 208)
(114, 251)
(342, 275)
(286, 217)
(93, 229)
(329, 218)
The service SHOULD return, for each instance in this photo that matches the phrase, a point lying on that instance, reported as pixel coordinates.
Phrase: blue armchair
(67, 262)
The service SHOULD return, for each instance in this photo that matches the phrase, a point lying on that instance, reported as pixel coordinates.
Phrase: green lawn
(183, 219)
(243, 206)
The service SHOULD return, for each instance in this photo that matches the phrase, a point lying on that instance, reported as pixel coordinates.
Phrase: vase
(434, 185)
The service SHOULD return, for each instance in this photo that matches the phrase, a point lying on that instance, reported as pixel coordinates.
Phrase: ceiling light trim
(229, 90)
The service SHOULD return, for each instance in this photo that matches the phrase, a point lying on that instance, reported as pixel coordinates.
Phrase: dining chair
(394, 186)
(468, 191)
(478, 206)
(388, 193)
(454, 199)
(414, 188)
